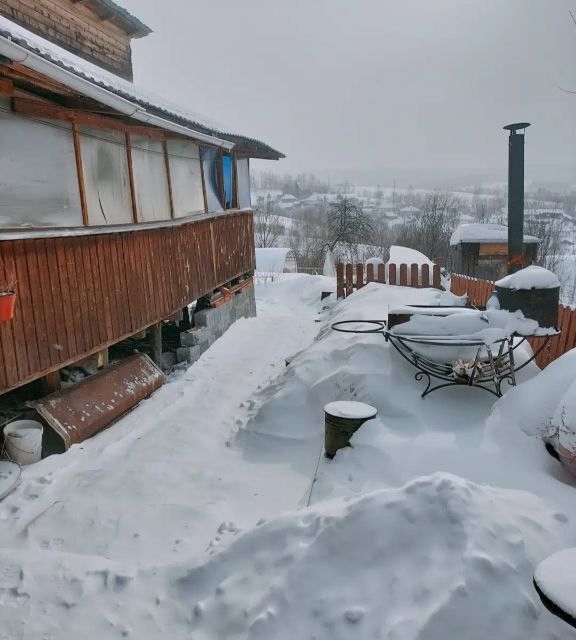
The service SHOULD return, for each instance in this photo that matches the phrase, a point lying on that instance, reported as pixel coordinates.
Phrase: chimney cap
(516, 126)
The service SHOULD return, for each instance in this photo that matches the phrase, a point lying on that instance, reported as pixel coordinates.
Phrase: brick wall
(77, 28)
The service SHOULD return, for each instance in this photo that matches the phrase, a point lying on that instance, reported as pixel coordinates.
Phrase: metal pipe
(516, 196)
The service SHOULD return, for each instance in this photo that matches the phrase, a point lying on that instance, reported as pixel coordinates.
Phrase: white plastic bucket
(23, 441)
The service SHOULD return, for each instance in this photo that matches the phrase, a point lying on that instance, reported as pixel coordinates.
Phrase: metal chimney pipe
(516, 196)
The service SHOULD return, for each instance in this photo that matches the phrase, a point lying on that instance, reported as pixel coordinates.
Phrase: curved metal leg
(419, 375)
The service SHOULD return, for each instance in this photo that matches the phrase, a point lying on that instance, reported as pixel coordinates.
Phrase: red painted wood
(359, 275)
(340, 290)
(392, 274)
(426, 275)
(79, 294)
(370, 272)
(414, 276)
(403, 275)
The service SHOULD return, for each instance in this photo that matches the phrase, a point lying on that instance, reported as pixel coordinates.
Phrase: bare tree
(267, 225)
(347, 223)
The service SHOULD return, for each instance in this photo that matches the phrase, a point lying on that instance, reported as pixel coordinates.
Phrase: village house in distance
(117, 210)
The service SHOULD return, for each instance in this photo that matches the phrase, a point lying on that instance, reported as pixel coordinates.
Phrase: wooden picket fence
(350, 277)
(479, 291)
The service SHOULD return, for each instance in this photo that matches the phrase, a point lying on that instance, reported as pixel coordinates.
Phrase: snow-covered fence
(354, 276)
(478, 292)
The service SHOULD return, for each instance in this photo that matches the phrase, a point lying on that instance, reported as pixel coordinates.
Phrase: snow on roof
(399, 255)
(51, 52)
(483, 234)
(271, 259)
(135, 27)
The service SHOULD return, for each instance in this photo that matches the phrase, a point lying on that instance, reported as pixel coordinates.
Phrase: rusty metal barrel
(342, 420)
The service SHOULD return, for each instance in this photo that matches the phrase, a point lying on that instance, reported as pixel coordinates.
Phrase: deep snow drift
(428, 528)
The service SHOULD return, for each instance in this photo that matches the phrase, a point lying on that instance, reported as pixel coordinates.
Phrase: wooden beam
(6, 87)
(203, 183)
(168, 178)
(19, 72)
(131, 177)
(80, 174)
(34, 108)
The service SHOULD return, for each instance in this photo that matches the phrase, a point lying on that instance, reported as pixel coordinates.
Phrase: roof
(132, 25)
(12, 33)
(480, 233)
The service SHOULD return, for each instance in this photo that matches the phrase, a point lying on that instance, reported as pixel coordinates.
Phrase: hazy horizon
(374, 87)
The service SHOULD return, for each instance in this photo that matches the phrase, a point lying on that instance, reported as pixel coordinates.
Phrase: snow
(532, 277)
(556, 577)
(400, 255)
(348, 409)
(271, 260)
(484, 233)
(198, 516)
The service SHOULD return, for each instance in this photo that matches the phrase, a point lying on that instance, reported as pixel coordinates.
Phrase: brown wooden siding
(79, 294)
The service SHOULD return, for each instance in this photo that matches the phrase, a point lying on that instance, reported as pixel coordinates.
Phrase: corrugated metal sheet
(91, 405)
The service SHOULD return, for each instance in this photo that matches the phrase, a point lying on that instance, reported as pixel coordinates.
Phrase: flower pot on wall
(7, 303)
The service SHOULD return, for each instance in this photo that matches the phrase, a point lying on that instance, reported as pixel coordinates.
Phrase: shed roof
(12, 33)
(483, 233)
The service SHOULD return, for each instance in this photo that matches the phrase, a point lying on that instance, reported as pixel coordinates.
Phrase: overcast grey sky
(373, 85)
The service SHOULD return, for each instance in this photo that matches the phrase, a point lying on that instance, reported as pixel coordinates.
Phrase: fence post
(426, 275)
(414, 275)
(340, 292)
(369, 272)
(359, 275)
(349, 279)
(381, 274)
(403, 275)
(392, 273)
(436, 281)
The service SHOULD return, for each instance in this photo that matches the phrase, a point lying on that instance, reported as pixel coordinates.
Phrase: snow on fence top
(484, 234)
(531, 277)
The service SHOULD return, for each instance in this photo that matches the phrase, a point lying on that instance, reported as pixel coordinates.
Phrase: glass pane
(106, 176)
(210, 162)
(186, 178)
(38, 180)
(243, 180)
(150, 179)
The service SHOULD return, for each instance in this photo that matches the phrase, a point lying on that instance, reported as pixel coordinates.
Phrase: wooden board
(77, 295)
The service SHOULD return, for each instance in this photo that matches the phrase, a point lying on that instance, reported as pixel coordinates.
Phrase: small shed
(481, 250)
(276, 260)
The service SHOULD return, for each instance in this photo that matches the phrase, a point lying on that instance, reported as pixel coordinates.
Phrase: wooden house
(117, 209)
(481, 250)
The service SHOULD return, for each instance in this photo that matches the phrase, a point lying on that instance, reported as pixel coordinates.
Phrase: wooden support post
(102, 360)
(50, 383)
(80, 174)
(6, 87)
(382, 273)
(392, 274)
(131, 177)
(156, 342)
(168, 178)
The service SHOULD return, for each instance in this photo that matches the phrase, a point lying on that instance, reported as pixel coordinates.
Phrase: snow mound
(532, 277)
(399, 255)
(439, 558)
(556, 577)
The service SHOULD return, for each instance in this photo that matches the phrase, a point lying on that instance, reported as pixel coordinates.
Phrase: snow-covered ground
(195, 517)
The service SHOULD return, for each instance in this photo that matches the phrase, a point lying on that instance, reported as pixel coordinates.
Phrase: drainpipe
(516, 196)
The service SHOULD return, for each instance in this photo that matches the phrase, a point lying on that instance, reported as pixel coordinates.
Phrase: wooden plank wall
(350, 277)
(479, 291)
(79, 294)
